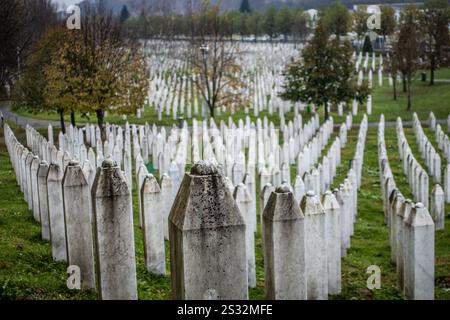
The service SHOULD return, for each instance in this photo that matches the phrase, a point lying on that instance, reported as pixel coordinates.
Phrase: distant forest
(135, 7)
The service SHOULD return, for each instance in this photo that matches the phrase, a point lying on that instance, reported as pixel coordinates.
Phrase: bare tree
(435, 22)
(214, 60)
(408, 48)
(22, 23)
(111, 65)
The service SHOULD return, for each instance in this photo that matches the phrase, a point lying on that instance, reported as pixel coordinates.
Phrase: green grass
(28, 272)
(369, 244)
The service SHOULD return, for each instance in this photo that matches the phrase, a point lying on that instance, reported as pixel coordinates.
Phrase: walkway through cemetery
(310, 212)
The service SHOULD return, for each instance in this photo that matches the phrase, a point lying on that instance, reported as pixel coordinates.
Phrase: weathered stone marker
(114, 234)
(56, 213)
(244, 201)
(77, 211)
(167, 196)
(333, 238)
(316, 253)
(152, 226)
(284, 238)
(29, 194)
(207, 239)
(402, 216)
(419, 260)
(438, 207)
(34, 187)
(43, 200)
(447, 182)
(141, 174)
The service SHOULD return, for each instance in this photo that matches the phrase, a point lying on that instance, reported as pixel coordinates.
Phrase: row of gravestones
(72, 146)
(365, 63)
(177, 95)
(148, 142)
(315, 255)
(59, 237)
(305, 159)
(115, 137)
(164, 178)
(117, 146)
(417, 176)
(369, 81)
(200, 244)
(427, 151)
(90, 172)
(227, 149)
(151, 142)
(311, 152)
(86, 226)
(301, 241)
(411, 233)
(170, 93)
(245, 194)
(443, 142)
(435, 202)
(448, 123)
(57, 177)
(319, 178)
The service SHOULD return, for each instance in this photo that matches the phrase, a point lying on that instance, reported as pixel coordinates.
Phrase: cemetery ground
(27, 270)
(425, 98)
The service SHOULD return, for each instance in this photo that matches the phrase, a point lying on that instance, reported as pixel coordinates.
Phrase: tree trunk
(394, 87)
(211, 111)
(61, 119)
(325, 108)
(100, 117)
(404, 83)
(432, 67)
(72, 119)
(409, 107)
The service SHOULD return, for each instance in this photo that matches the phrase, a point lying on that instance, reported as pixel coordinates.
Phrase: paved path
(8, 114)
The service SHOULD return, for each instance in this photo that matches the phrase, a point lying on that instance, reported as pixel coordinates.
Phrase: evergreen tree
(367, 46)
(245, 7)
(124, 14)
(325, 74)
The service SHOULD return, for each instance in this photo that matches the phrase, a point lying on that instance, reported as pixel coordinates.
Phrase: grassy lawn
(28, 272)
(370, 243)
